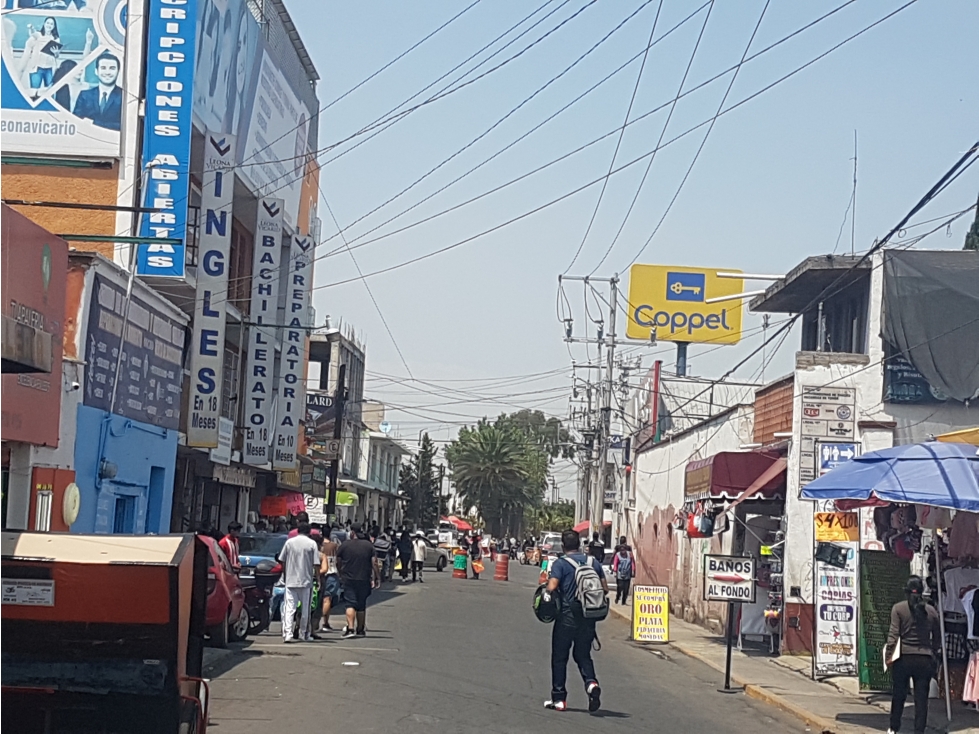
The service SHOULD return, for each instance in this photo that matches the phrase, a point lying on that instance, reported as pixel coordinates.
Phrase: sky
(475, 328)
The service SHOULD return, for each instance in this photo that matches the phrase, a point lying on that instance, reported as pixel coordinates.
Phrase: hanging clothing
(970, 691)
(958, 582)
(933, 518)
(964, 542)
(970, 602)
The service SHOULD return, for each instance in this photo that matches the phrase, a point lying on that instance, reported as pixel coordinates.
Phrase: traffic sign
(330, 449)
(831, 455)
(729, 578)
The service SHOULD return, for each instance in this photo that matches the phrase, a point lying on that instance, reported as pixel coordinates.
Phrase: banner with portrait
(62, 75)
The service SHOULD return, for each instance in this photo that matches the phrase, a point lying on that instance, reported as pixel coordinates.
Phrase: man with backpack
(582, 590)
(624, 569)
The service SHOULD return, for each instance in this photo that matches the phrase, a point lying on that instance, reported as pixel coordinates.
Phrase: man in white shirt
(300, 561)
(418, 550)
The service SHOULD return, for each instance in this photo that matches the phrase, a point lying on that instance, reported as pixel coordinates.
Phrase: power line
(618, 142)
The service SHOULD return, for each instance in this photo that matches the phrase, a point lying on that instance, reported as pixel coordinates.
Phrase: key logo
(685, 287)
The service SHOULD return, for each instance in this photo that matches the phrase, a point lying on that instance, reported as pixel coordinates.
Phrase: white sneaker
(556, 705)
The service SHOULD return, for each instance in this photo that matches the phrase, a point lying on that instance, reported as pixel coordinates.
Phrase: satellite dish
(385, 427)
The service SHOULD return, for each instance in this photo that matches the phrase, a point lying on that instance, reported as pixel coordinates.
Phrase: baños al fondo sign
(729, 578)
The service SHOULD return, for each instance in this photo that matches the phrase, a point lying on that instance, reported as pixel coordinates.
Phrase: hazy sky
(769, 189)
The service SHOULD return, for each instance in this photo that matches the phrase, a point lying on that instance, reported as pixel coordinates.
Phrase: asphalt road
(467, 656)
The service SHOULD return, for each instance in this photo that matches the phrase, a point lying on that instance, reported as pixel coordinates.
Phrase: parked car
(550, 544)
(253, 548)
(227, 617)
(435, 557)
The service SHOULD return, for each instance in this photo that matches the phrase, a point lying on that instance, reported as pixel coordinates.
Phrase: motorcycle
(258, 594)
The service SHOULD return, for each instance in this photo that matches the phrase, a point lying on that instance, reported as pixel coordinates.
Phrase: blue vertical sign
(167, 132)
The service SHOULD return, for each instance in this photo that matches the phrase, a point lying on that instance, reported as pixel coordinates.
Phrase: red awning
(728, 474)
(582, 526)
(775, 471)
(460, 523)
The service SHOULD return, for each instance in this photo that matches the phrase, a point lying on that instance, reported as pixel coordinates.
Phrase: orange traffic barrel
(459, 564)
(502, 572)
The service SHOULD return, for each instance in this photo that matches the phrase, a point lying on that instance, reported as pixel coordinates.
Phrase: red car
(227, 617)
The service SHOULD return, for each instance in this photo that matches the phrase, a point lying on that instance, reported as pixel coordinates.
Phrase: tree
(552, 516)
(417, 481)
(972, 236)
(502, 468)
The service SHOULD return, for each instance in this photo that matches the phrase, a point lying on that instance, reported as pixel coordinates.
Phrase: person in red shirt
(229, 544)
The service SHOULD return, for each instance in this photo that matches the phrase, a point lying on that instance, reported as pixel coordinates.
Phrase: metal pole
(605, 424)
(339, 401)
(941, 622)
(730, 644)
(681, 359)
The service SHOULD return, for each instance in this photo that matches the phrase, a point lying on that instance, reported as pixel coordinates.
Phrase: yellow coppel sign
(651, 613)
(673, 300)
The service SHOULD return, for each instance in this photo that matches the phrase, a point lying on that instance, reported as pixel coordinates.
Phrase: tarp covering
(966, 435)
(931, 314)
(727, 474)
(933, 473)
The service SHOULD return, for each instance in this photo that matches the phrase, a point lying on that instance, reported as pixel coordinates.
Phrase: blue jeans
(571, 639)
(43, 76)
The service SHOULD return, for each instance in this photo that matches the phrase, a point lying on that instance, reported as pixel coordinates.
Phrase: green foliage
(556, 516)
(419, 482)
(502, 468)
(972, 236)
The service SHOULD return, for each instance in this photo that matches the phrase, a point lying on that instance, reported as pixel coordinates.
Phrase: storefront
(923, 504)
(736, 500)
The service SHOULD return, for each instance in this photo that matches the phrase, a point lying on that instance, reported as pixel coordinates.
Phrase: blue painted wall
(139, 498)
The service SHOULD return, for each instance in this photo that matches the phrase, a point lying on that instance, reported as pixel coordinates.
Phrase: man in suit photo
(103, 104)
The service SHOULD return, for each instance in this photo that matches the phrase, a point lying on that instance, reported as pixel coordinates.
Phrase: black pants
(920, 669)
(571, 638)
(405, 565)
(622, 590)
(416, 569)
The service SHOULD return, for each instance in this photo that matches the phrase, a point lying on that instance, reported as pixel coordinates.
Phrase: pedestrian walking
(382, 551)
(358, 576)
(913, 642)
(596, 548)
(404, 553)
(579, 581)
(624, 570)
(229, 544)
(418, 550)
(476, 555)
(300, 560)
(329, 581)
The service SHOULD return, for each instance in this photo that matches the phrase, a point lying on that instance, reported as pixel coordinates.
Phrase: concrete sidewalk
(784, 682)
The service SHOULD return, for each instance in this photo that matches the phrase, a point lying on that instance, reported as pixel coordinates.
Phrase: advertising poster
(166, 137)
(207, 346)
(240, 90)
(150, 374)
(836, 614)
(259, 387)
(62, 75)
(290, 405)
(651, 613)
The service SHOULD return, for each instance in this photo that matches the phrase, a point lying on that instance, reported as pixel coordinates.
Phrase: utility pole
(598, 434)
(339, 402)
(604, 430)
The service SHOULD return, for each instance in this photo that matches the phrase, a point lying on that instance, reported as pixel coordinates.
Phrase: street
(467, 656)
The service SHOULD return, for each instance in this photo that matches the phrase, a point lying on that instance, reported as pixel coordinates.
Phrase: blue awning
(933, 473)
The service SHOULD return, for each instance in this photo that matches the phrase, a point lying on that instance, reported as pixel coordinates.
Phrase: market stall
(914, 489)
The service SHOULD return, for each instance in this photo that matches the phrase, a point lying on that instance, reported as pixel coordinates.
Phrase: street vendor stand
(933, 474)
(103, 633)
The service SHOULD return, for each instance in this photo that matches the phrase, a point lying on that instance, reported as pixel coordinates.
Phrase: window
(240, 267)
(193, 223)
(229, 386)
(42, 510)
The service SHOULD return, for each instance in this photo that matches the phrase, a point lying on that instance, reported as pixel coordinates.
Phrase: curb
(752, 690)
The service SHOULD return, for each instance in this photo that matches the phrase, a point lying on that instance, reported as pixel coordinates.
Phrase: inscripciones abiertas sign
(207, 346)
(729, 578)
(170, 55)
(292, 367)
(259, 387)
